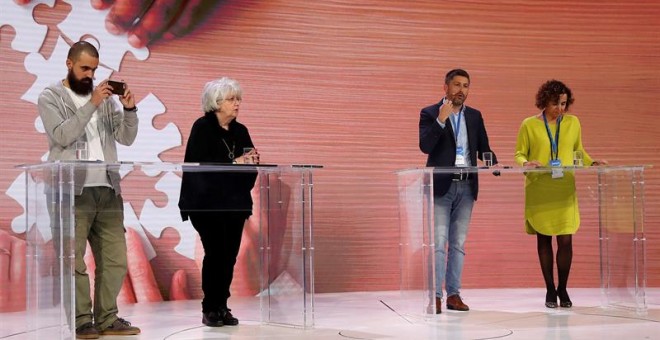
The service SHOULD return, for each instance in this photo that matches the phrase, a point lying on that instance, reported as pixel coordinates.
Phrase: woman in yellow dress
(549, 139)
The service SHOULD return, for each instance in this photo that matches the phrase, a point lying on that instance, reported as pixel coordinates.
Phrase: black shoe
(227, 318)
(564, 299)
(551, 299)
(87, 331)
(212, 319)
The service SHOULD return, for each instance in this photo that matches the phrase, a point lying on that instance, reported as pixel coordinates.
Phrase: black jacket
(440, 146)
(209, 144)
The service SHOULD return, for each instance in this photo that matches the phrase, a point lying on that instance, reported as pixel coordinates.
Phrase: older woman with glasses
(218, 203)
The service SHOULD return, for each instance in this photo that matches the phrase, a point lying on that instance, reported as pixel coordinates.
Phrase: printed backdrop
(341, 84)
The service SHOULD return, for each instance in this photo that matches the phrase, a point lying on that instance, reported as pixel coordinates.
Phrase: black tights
(564, 259)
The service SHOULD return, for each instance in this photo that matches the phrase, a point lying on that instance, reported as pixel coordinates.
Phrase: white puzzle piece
(112, 47)
(38, 216)
(155, 219)
(150, 142)
(30, 35)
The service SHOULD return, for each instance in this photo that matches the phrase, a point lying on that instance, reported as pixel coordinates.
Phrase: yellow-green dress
(551, 206)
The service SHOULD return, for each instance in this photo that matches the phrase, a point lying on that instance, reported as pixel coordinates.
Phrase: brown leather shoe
(438, 305)
(454, 302)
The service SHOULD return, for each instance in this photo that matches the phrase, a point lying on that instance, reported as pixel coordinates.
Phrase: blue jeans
(452, 213)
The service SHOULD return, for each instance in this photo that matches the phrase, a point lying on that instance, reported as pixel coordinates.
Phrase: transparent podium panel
(622, 241)
(285, 247)
(611, 203)
(416, 241)
(50, 240)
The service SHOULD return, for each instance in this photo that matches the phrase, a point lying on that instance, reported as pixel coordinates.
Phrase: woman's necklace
(231, 151)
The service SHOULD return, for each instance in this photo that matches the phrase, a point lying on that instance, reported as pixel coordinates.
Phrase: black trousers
(220, 232)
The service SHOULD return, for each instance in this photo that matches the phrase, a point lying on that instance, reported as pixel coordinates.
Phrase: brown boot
(454, 302)
(438, 305)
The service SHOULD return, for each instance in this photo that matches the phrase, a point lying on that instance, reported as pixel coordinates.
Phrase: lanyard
(456, 124)
(554, 143)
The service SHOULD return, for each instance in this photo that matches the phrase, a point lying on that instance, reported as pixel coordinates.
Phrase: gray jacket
(65, 125)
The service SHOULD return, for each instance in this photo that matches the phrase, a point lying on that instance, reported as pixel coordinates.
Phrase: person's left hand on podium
(532, 164)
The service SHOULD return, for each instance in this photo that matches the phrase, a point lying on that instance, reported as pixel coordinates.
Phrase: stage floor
(494, 314)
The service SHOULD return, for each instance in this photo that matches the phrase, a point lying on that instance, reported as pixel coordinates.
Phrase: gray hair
(218, 90)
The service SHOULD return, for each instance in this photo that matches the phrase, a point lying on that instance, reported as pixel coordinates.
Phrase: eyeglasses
(234, 99)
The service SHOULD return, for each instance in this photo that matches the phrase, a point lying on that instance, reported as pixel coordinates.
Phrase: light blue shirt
(462, 139)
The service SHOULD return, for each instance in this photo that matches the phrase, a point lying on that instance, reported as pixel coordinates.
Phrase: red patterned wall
(340, 84)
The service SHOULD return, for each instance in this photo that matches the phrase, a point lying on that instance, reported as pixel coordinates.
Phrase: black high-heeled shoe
(551, 299)
(564, 299)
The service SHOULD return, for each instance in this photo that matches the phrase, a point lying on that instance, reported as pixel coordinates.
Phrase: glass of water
(82, 153)
(578, 158)
(488, 159)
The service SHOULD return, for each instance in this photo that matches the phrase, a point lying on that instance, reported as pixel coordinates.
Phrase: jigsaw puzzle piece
(155, 219)
(112, 47)
(38, 215)
(150, 142)
(30, 35)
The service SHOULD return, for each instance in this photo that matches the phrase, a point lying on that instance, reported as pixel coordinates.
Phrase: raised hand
(446, 109)
(101, 93)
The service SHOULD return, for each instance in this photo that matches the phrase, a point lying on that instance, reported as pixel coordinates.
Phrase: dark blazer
(440, 144)
(227, 191)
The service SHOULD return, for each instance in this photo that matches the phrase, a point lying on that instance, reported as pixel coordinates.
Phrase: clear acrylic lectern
(285, 213)
(619, 209)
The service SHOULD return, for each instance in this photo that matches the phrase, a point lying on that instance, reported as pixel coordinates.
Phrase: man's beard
(458, 101)
(82, 87)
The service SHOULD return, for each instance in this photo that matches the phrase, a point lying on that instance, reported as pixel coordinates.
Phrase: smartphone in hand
(118, 87)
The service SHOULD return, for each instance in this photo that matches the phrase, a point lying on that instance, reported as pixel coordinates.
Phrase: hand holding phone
(118, 87)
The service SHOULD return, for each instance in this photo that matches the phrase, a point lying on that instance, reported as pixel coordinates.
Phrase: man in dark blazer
(452, 135)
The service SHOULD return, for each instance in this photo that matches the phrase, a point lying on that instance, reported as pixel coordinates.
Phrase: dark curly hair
(550, 91)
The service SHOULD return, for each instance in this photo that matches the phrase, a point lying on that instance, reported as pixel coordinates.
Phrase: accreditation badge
(557, 170)
(460, 157)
